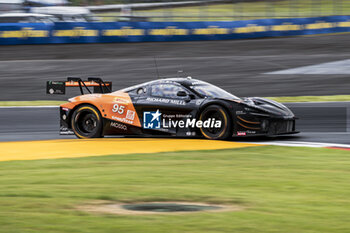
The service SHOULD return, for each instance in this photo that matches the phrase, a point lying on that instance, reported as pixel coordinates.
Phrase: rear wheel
(87, 122)
(217, 113)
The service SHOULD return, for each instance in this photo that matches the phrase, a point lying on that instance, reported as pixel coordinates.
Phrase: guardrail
(36, 33)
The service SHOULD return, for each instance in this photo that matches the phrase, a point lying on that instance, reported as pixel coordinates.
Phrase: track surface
(238, 66)
(319, 122)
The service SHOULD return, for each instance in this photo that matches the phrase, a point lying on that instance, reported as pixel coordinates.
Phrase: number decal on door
(118, 109)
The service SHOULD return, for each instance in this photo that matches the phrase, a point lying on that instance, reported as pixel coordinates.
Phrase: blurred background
(167, 10)
(32, 54)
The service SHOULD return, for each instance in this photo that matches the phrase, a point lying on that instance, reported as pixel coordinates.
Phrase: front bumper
(265, 126)
(277, 127)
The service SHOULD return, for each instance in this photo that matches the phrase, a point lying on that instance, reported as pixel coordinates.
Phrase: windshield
(209, 90)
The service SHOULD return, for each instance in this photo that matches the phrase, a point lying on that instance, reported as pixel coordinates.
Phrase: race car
(182, 107)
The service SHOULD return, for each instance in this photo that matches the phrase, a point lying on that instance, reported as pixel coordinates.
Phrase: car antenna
(155, 63)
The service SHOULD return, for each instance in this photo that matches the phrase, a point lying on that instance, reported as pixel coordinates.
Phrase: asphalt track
(243, 67)
(319, 122)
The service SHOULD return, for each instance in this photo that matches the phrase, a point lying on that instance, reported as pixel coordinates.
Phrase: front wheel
(87, 122)
(218, 131)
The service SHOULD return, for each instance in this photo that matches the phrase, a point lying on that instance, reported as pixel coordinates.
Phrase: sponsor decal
(56, 83)
(65, 131)
(122, 120)
(119, 126)
(88, 97)
(241, 133)
(176, 115)
(211, 30)
(121, 109)
(76, 32)
(240, 112)
(25, 32)
(154, 120)
(169, 31)
(191, 133)
(251, 132)
(151, 120)
(120, 100)
(96, 95)
(192, 123)
(166, 101)
(118, 109)
(124, 31)
(130, 115)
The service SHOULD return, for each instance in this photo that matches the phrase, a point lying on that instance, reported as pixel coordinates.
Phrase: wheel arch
(216, 102)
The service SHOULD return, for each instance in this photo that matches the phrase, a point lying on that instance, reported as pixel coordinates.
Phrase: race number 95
(118, 109)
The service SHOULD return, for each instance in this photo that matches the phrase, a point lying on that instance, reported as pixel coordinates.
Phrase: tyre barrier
(111, 32)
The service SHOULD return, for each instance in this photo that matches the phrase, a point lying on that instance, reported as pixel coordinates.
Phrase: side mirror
(181, 93)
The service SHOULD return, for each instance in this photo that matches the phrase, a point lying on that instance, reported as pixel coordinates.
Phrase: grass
(327, 98)
(245, 10)
(30, 103)
(283, 190)
(283, 99)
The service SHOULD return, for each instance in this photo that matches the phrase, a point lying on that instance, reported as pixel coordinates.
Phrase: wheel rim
(216, 115)
(86, 122)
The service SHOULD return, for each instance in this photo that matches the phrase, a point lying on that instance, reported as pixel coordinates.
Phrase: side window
(166, 90)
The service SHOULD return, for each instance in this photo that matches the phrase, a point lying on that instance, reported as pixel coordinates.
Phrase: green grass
(283, 99)
(31, 103)
(245, 10)
(327, 98)
(283, 190)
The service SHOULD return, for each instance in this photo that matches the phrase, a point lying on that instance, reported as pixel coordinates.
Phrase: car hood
(268, 106)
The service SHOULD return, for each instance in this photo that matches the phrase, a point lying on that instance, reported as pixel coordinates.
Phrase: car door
(162, 107)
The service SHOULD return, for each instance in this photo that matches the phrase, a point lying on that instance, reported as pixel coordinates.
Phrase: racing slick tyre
(87, 122)
(218, 113)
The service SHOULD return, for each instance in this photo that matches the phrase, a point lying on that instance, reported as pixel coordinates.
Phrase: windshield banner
(101, 32)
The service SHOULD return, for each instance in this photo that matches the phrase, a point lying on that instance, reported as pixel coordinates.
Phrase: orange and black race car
(182, 107)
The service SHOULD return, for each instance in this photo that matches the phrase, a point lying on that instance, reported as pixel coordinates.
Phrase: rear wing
(59, 87)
